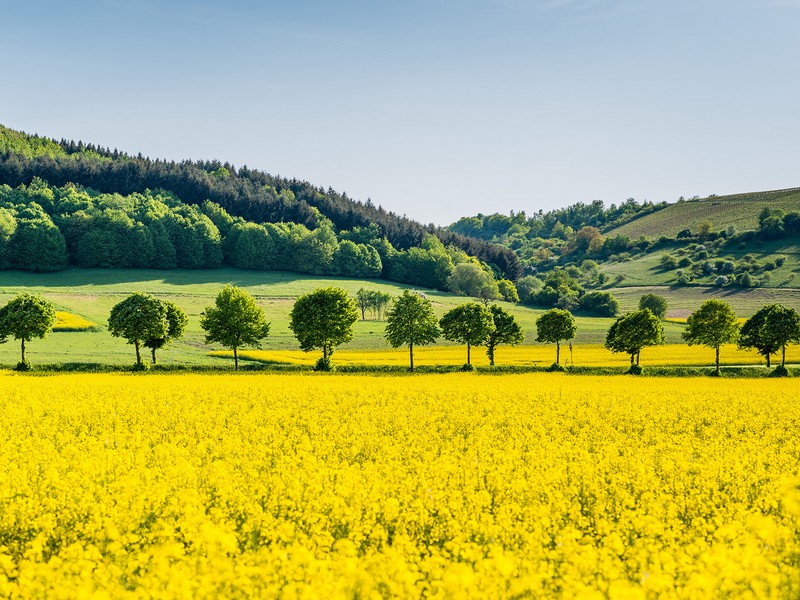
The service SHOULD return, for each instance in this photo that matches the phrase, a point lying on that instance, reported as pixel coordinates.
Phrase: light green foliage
(323, 319)
(469, 279)
(235, 321)
(8, 225)
(356, 260)
(469, 324)
(176, 326)
(634, 331)
(138, 318)
(26, 317)
(712, 325)
(508, 290)
(506, 331)
(411, 321)
(657, 304)
(553, 326)
(770, 330)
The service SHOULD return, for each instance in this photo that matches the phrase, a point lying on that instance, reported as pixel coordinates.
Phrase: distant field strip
(582, 355)
(66, 321)
(740, 210)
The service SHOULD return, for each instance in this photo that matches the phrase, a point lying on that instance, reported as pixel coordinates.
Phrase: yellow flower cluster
(66, 321)
(456, 485)
(582, 355)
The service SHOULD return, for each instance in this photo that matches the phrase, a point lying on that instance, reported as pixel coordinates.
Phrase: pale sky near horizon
(432, 108)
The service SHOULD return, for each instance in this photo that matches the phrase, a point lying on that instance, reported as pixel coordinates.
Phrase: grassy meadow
(739, 210)
(89, 294)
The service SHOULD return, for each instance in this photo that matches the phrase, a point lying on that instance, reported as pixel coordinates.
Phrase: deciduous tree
(138, 318)
(712, 325)
(176, 325)
(24, 318)
(506, 331)
(553, 326)
(469, 323)
(323, 319)
(235, 321)
(411, 321)
(634, 331)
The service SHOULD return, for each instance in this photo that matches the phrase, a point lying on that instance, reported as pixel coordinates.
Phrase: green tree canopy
(411, 321)
(469, 324)
(26, 317)
(634, 331)
(235, 321)
(138, 318)
(657, 304)
(176, 325)
(553, 326)
(712, 325)
(323, 319)
(506, 331)
(771, 329)
(469, 279)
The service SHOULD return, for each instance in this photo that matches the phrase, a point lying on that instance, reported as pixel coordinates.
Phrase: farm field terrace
(309, 485)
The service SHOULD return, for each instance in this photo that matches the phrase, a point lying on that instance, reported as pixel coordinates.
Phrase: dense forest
(248, 195)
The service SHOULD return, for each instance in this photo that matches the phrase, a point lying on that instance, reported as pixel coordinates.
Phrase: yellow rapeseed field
(455, 485)
(582, 355)
(66, 321)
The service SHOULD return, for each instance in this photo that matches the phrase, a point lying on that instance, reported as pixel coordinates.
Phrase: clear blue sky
(433, 108)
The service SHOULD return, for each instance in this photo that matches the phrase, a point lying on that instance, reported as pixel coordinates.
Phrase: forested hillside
(67, 188)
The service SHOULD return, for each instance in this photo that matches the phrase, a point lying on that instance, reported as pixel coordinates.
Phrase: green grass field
(644, 269)
(91, 293)
(740, 210)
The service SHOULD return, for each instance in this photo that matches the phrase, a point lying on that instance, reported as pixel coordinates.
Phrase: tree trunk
(324, 350)
(23, 349)
(235, 358)
(783, 356)
(638, 354)
(138, 354)
(469, 363)
(633, 357)
(768, 361)
(558, 353)
(411, 356)
(717, 361)
(490, 352)
(363, 315)
(153, 352)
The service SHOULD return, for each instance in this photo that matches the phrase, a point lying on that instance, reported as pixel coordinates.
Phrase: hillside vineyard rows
(206, 486)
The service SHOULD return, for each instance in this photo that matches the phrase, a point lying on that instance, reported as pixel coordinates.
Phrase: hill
(249, 195)
(739, 211)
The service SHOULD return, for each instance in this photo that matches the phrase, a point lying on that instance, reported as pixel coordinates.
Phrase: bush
(780, 259)
(467, 368)
(683, 280)
(721, 281)
(780, 371)
(746, 281)
(602, 304)
(324, 364)
(657, 304)
(634, 370)
(23, 365)
(138, 367)
(555, 368)
(685, 262)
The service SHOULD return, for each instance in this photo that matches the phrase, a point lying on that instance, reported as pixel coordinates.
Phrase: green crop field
(740, 210)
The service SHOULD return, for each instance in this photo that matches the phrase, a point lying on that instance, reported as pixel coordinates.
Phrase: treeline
(553, 223)
(250, 194)
(45, 228)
